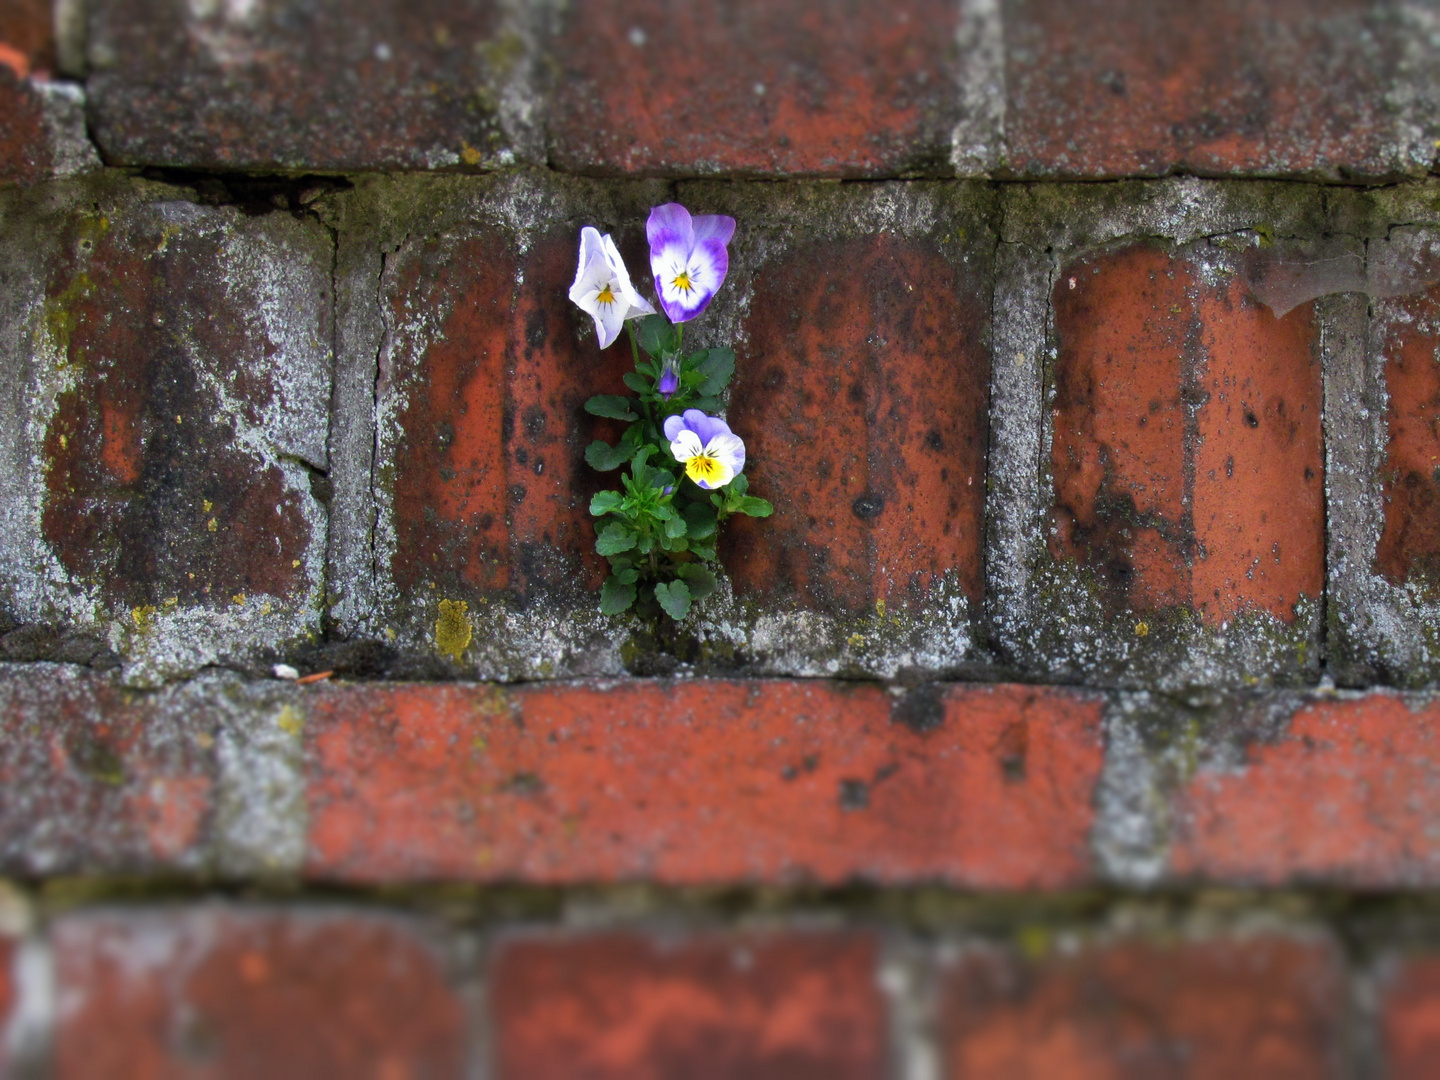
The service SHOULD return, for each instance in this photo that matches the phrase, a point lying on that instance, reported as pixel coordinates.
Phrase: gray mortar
(277, 270)
(70, 149)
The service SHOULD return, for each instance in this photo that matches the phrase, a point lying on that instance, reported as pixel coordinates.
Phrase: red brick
(403, 84)
(1410, 1020)
(7, 990)
(1348, 792)
(97, 778)
(863, 397)
(225, 992)
(1099, 88)
(491, 490)
(1410, 543)
(703, 781)
(759, 88)
(791, 1006)
(27, 36)
(1219, 1009)
(1222, 512)
(153, 495)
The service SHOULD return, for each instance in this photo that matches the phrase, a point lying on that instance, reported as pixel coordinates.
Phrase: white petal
(589, 283)
(686, 445)
(609, 318)
(729, 451)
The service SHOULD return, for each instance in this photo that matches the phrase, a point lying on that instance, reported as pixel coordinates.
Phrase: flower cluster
(685, 468)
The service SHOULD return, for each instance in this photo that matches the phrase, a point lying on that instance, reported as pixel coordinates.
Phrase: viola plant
(684, 469)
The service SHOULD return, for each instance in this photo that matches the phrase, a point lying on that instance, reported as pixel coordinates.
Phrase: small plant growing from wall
(684, 469)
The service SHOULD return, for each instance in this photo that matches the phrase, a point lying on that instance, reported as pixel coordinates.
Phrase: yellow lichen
(238, 598)
(143, 617)
(290, 721)
(210, 525)
(470, 155)
(1141, 629)
(453, 629)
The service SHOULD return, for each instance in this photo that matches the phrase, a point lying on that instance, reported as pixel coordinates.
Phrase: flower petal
(609, 318)
(686, 445)
(673, 426)
(729, 450)
(706, 427)
(713, 227)
(669, 224)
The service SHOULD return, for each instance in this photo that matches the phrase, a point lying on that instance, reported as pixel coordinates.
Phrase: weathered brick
(861, 396)
(232, 992)
(792, 1005)
(27, 36)
(421, 84)
(42, 126)
(7, 991)
(1410, 1018)
(835, 88)
(491, 489)
(1294, 87)
(703, 781)
(1345, 792)
(1223, 512)
(97, 778)
(175, 388)
(1224, 1007)
(1409, 547)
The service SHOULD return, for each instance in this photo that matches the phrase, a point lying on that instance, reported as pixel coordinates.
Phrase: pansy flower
(711, 454)
(687, 257)
(602, 287)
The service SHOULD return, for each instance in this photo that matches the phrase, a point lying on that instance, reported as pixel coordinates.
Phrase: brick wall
(1075, 715)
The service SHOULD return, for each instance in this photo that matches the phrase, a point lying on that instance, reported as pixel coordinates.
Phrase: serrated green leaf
(627, 576)
(717, 367)
(604, 502)
(700, 579)
(615, 538)
(610, 405)
(616, 595)
(703, 549)
(756, 508)
(603, 457)
(674, 597)
(676, 527)
(738, 486)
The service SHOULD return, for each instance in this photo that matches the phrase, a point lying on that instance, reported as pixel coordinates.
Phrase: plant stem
(634, 345)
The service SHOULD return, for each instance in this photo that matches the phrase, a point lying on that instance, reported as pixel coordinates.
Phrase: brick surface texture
(793, 1005)
(1076, 714)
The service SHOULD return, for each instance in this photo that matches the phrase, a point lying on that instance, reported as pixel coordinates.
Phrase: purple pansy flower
(711, 453)
(687, 257)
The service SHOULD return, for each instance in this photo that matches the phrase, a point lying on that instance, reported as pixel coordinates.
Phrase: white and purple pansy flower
(602, 287)
(711, 453)
(688, 258)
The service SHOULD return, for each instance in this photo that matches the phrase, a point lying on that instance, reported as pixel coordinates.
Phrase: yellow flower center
(703, 467)
(606, 296)
(682, 282)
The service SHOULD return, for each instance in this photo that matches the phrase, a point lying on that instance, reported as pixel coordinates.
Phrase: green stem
(634, 344)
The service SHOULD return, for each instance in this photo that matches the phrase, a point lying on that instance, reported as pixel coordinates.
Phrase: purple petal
(669, 382)
(668, 224)
(706, 427)
(673, 426)
(679, 310)
(713, 227)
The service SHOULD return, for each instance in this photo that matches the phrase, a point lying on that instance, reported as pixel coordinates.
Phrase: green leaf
(615, 538)
(706, 404)
(603, 457)
(627, 576)
(703, 549)
(605, 501)
(700, 579)
(657, 336)
(611, 405)
(757, 508)
(700, 520)
(738, 486)
(637, 382)
(616, 595)
(717, 367)
(674, 597)
(676, 528)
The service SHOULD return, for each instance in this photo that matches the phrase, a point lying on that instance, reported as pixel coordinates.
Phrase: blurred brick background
(1076, 715)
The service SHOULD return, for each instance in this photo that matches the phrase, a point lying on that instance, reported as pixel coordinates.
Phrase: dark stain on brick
(854, 795)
